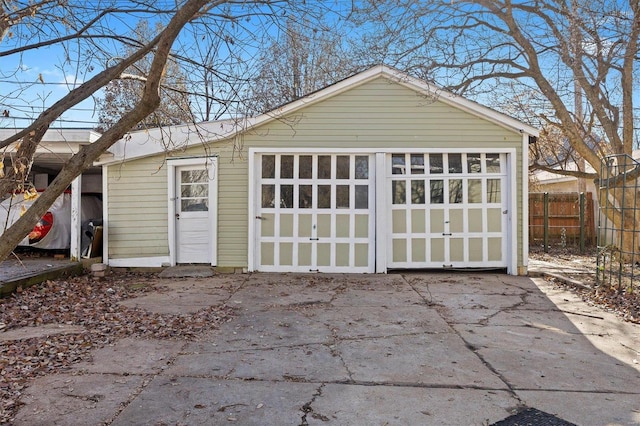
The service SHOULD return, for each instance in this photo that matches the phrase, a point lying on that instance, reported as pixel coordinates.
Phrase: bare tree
(306, 57)
(88, 35)
(122, 94)
(555, 49)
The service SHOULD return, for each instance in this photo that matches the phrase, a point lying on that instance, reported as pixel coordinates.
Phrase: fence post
(582, 207)
(546, 223)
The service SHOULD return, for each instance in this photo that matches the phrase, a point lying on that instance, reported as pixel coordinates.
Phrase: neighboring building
(56, 148)
(544, 181)
(380, 171)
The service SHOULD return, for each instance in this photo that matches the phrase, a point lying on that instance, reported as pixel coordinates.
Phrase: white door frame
(510, 242)
(212, 165)
(381, 217)
(254, 190)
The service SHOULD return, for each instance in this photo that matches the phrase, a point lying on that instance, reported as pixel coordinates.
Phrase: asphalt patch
(533, 417)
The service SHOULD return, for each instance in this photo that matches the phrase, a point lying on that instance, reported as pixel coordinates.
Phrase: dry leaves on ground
(89, 303)
(623, 302)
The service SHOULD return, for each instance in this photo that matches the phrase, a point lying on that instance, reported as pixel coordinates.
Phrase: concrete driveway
(418, 348)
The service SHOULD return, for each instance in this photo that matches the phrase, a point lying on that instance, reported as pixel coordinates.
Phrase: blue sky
(43, 76)
(45, 83)
(49, 79)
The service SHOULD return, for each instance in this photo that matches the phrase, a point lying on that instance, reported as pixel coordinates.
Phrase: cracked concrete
(310, 349)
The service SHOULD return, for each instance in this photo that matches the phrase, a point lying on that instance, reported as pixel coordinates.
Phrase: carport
(57, 146)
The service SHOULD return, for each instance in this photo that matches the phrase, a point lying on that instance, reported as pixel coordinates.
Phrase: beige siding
(378, 114)
(137, 209)
(233, 181)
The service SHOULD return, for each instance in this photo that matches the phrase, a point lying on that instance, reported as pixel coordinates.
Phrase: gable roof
(149, 142)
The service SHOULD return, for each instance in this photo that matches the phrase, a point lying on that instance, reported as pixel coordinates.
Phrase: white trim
(512, 266)
(139, 262)
(296, 211)
(464, 235)
(172, 164)
(510, 241)
(381, 214)
(75, 246)
(371, 150)
(171, 211)
(251, 255)
(525, 202)
(105, 214)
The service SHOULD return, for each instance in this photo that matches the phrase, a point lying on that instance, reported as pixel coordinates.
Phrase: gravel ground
(92, 305)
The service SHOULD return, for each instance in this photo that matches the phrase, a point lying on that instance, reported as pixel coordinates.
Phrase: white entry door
(194, 234)
(315, 212)
(447, 210)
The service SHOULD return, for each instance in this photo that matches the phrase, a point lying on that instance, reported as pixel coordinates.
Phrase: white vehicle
(53, 231)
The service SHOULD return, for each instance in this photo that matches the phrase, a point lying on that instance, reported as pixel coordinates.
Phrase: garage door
(316, 213)
(447, 210)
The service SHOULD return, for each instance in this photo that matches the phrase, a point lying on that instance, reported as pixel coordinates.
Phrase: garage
(380, 171)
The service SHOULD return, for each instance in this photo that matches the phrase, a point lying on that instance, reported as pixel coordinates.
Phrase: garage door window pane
(305, 194)
(493, 163)
(473, 163)
(362, 167)
(417, 164)
(435, 163)
(362, 197)
(324, 167)
(342, 196)
(436, 188)
(475, 190)
(455, 191)
(268, 166)
(268, 195)
(324, 196)
(286, 196)
(455, 163)
(417, 192)
(397, 164)
(493, 190)
(286, 167)
(399, 192)
(305, 166)
(342, 167)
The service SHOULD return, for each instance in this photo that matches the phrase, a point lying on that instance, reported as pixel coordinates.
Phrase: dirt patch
(91, 305)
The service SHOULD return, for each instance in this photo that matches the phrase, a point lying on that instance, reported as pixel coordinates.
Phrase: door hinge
(260, 217)
(445, 234)
(314, 239)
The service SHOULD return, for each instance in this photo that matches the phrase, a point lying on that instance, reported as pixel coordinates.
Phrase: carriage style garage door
(315, 213)
(447, 210)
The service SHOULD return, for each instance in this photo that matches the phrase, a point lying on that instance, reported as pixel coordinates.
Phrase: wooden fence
(561, 219)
